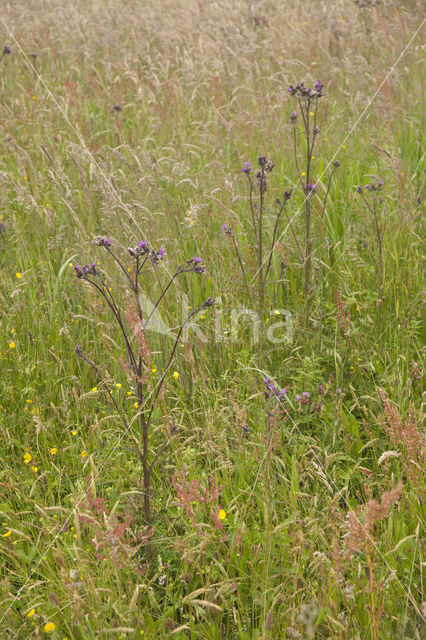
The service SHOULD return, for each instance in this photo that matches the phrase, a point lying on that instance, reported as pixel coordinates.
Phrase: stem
(242, 268)
(253, 218)
(178, 272)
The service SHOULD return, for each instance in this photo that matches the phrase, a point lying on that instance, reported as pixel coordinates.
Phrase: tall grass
(132, 120)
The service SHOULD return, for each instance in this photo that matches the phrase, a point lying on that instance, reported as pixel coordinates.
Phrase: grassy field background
(132, 120)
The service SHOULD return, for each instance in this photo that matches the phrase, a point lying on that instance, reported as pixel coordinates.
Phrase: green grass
(202, 90)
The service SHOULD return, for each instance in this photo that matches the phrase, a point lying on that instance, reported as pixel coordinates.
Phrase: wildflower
(154, 370)
(83, 454)
(136, 405)
(161, 251)
(222, 514)
(202, 317)
(287, 194)
(12, 345)
(7, 534)
(18, 275)
(311, 188)
(53, 451)
(102, 242)
(246, 168)
(34, 468)
(196, 259)
(318, 86)
(175, 375)
(95, 389)
(73, 432)
(30, 613)
(276, 312)
(49, 626)
(27, 457)
(118, 385)
(293, 116)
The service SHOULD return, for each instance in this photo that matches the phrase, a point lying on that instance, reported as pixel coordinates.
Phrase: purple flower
(306, 394)
(293, 116)
(367, 186)
(102, 242)
(319, 86)
(142, 244)
(419, 199)
(226, 229)
(287, 194)
(246, 168)
(161, 251)
(196, 259)
(282, 393)
(311, 187)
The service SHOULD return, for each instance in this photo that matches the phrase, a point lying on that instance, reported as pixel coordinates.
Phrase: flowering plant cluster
(136, 342)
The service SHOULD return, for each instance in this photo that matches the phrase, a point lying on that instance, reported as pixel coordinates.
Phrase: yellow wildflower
(74, 432)
(27, 457)
(30, 613)
(53, 451)
(12, 345)
(175, 375)
(136, 405)
(34, 468)
(83, 454)
(49, 626)
(154, 369)
(7, 534)
(222, 514)
(118, 385)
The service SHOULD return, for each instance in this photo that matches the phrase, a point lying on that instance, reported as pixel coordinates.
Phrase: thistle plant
(132, 325)
(308, 100)
(258, 186)
(371, 195)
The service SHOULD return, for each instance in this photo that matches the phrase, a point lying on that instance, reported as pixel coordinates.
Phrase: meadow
(211, 356)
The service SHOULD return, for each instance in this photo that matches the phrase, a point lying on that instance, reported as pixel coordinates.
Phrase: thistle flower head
(102, 242)
(246, 168)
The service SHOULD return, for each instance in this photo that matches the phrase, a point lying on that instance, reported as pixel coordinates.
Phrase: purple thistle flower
(225, 228)
(367, 186)
(142, 244)
(246, 168)
(287, 194)
(196, 259)
(319, 86)
(102, 242)
(293, 116)
(310, 188)
(161, 251)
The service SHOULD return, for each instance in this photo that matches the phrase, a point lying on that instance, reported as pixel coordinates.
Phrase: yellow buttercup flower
(154, 369)
(7, 534)
(49, 626)
(74, 432)
(95, 389)
(222, 514)
(12, 345)
(83, 454)
(30, 613)
(18, 275)
(53, 451)
(27, 457)
(118, 385)
(175, 375)
(136, 405)
(34, 468)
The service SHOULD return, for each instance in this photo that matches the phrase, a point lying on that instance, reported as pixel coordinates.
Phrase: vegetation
(210, 320)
